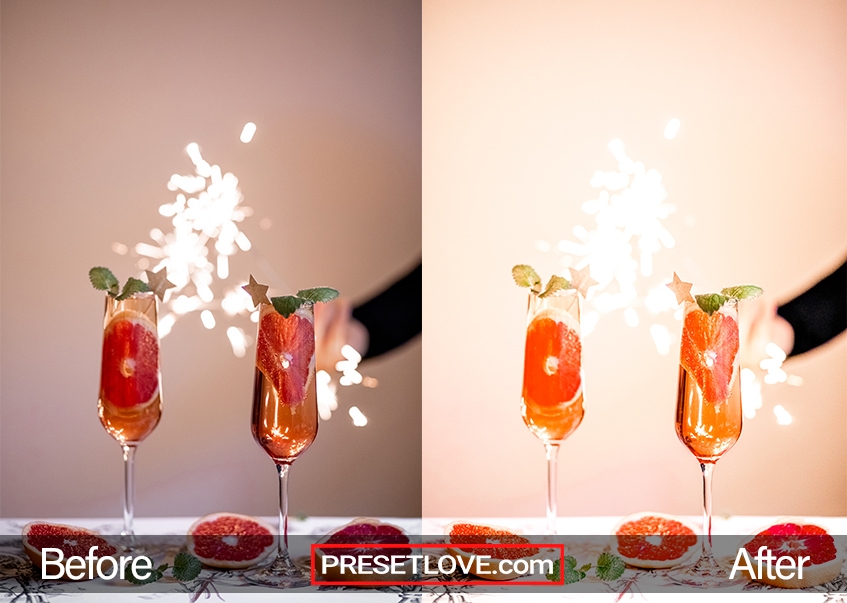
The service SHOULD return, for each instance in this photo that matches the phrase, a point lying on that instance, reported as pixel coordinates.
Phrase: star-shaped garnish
(259, 293)
(158, 282)
(581, 280)
(681, 289)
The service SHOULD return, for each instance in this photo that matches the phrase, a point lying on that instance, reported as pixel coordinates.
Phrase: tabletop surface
(18, 583)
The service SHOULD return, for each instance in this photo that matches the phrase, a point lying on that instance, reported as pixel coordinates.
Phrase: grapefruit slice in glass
(285, 352)
(708, 349)
(552, 359)
(129, 376)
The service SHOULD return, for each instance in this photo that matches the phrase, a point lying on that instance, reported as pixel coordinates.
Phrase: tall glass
(285, 416)
(708, 413)
(130, 402)
(551, 402)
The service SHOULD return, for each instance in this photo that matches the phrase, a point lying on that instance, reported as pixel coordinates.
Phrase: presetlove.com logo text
(418, 564)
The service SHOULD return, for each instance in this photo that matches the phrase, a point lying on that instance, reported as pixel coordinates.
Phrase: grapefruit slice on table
(129, 376)
(655, 540)
(552, 359)
(464, 533)
(708, 350)
(285, 352)
(230, 540)
(370, 532)
(795, 538)
(72, 540)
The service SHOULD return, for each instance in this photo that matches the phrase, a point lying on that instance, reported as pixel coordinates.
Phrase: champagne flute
(708, 413)
(285, 416)
(552, 398)
(130, 401)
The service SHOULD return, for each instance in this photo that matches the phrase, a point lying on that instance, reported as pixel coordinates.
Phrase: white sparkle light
(672, 128)
(783, 417)
(248, 132)
(359, 418)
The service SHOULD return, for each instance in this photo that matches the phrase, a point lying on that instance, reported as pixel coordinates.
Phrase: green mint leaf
(571, 573)
(556, 283)
(186, 567)
(609, 567)
(104, 280)
(318, 294)
(155, 575)
(710, 302)
(287, 304)
(133, 285)
(525, 276)
(555, 575)
(585, 567)
(742, 291)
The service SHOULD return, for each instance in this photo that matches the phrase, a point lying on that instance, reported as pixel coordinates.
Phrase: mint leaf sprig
(288, 304)
(526, 276)
(103, 280)
(712, 302)
(608, 567)
(186, 567)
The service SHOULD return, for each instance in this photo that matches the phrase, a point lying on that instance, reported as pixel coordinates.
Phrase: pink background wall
(99, 100)
(520, 101)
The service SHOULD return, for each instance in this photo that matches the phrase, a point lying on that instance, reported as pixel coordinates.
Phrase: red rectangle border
(436, 545)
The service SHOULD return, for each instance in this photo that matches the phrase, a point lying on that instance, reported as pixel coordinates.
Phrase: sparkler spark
(194, 256)
(628, 232)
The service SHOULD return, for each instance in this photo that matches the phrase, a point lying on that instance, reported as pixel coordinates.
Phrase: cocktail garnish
(288, 304)
(525, 276)
(103, 279)
(712, 302)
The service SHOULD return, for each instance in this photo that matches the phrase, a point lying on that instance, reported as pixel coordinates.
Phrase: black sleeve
(819, 314)
(394, 316)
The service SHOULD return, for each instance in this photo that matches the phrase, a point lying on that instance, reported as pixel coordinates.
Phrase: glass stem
(129, 490)
(707, 469)
(552, 449)
(282, 545)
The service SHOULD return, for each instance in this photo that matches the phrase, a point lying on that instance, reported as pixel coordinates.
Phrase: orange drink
(551, 402)
(708, 411)
(285, 409)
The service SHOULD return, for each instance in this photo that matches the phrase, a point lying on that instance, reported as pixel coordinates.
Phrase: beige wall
(520, 101)
(99, 100)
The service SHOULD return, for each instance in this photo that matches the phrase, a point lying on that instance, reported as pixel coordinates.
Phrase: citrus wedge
(129, 376)
(708, 349)
(286, 351)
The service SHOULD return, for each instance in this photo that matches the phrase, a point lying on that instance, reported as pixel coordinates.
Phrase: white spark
(783, 417)
(672, 129)
(248, 132)
(359, 419)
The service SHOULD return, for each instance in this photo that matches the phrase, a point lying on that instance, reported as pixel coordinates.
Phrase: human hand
(335, 327)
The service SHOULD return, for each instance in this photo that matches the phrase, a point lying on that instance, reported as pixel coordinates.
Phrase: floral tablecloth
(19, 583)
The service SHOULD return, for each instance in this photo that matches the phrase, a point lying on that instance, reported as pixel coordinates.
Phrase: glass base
(282, 573)
(706, 574)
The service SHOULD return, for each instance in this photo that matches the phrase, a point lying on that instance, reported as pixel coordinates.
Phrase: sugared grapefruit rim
(136, 318)
(688, 555)
(489, 569)
(813, 575)
(333, 573)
